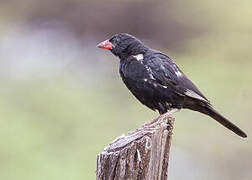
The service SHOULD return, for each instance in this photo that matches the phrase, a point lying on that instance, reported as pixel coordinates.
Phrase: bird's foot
(166, 115)
(162, 117)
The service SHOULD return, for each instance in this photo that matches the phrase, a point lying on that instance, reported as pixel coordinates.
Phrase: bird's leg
(167, 114)
(163, 116)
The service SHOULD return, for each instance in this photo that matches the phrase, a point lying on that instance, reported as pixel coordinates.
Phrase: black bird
(157, 82)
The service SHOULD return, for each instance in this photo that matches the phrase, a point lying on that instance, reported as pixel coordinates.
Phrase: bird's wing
(167, 73)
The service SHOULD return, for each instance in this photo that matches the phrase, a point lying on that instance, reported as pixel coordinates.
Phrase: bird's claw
(162, 118)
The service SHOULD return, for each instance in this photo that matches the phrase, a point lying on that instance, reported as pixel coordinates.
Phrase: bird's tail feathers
(208, 110)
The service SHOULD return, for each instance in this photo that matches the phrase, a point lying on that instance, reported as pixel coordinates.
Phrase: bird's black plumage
(157, 82)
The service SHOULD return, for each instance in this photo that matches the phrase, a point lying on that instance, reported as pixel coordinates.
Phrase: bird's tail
(208, 110)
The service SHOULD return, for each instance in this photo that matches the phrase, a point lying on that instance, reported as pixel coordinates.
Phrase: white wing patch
(164, 86)
(178, 73)
(139, 57)
(193, 94)
(150, 72)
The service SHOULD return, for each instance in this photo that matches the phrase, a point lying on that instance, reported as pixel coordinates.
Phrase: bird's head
(123, 45)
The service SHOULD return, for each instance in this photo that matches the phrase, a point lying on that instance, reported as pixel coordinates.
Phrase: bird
(157, 82)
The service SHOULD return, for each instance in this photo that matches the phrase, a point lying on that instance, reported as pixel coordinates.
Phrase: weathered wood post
(140, 155)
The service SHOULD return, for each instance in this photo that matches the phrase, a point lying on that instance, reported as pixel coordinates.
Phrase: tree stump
(140, 155)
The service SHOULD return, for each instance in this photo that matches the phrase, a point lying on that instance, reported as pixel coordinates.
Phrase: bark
(140, 155)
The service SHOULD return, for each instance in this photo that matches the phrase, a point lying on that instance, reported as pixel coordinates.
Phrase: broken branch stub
(141, 154)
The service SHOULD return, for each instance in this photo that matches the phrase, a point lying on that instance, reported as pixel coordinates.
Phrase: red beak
(105, 45)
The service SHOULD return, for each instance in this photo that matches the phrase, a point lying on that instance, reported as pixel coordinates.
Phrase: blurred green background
(62, 100)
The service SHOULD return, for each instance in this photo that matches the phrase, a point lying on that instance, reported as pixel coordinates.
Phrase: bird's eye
(113, 40)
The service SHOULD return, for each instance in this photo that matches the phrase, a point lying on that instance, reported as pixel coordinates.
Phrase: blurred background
(62, 100)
